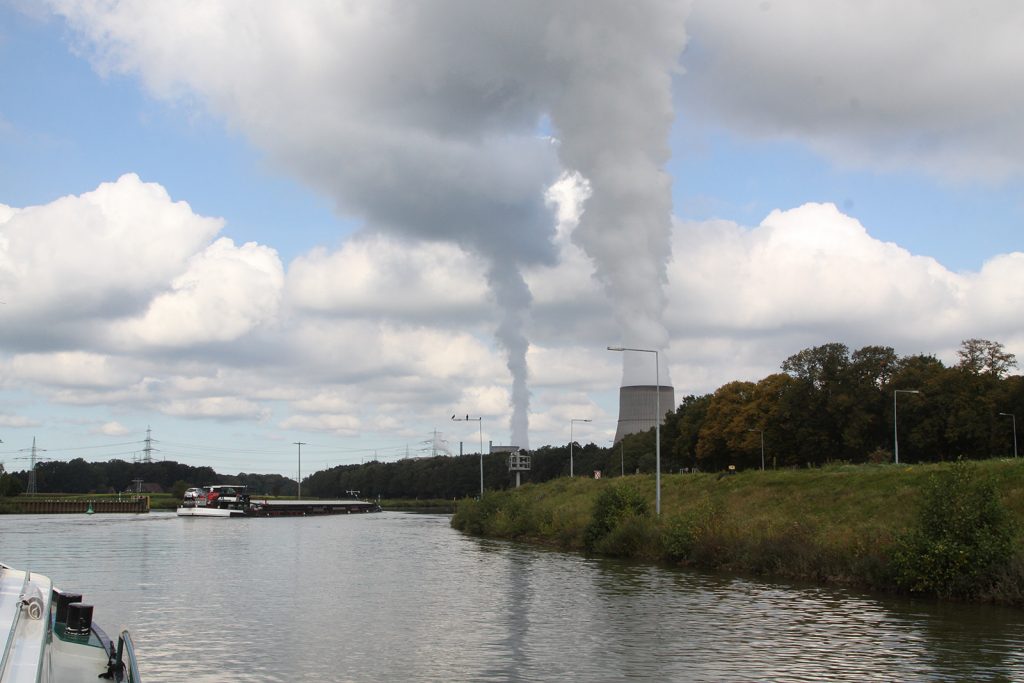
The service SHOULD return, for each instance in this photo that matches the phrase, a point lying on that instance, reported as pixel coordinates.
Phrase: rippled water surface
(395, 596)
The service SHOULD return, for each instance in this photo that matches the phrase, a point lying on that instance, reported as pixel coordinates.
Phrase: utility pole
(300, 444)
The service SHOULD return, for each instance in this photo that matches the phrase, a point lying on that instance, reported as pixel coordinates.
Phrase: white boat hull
(209, 512)
(41, 648)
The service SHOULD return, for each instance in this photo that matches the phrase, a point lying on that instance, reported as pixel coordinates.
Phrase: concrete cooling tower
(638, 408)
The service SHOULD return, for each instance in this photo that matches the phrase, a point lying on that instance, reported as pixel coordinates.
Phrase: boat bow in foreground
(51, 637)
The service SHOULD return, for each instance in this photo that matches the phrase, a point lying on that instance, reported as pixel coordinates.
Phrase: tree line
(116, 476)
(827, 404)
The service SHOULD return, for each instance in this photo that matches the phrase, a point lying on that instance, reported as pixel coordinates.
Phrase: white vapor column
(614, 118)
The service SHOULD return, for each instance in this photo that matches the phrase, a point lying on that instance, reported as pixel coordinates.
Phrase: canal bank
(951, 529)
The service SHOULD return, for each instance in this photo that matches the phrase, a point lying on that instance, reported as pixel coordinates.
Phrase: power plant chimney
(638, 408)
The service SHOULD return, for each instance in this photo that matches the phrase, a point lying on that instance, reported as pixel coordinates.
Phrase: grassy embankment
(869, 526)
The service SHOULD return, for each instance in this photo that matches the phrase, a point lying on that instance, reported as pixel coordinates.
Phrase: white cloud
(95, 256)
(71, 369)
(931, 85)
(113, 429)
(380, 276)
(17, 421)
(746, 298)
(225, 292)
(221, 407)
(343, 425)
(809, 265)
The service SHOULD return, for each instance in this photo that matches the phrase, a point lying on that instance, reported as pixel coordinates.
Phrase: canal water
(403, 597)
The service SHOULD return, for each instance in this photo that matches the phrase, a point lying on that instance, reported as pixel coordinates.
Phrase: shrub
(471, 515)
(880, 456)
(684, 532)
(634, 536)
(502, 514)
(963, 537)
(512, 518)
(613, 505)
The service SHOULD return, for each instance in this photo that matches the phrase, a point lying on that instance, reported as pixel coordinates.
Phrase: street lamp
(895, 434)
(480, 420)
(762, 445)
(1014, 418)
(622, 455)
(575, 419)
(300, 444)
(657, 423)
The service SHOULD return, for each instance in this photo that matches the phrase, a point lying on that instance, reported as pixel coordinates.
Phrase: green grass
(837, 524)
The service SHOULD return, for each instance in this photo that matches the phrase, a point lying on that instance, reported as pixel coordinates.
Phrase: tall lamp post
(1014, 418)
(895, 433)
(622, 455)
(762, 445)
(657, 423)
(480, 420)
(300, 444)
(571, 422)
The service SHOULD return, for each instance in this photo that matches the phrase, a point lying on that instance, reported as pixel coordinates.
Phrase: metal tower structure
(32, 467)
(147, 451)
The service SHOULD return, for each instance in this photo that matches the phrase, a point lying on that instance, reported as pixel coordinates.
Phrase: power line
(82, 448)
(231, 449)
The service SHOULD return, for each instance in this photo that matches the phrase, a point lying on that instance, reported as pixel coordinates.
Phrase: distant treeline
(827, 405)
(79, 476)
(453, 477)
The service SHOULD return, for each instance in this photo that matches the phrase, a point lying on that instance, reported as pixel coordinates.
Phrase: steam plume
(614, 118)
(422, 120)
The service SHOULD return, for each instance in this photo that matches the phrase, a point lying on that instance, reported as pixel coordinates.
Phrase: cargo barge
(228, 500)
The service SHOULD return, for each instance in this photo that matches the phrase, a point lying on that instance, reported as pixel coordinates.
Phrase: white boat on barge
(51, 637)
(229, 500)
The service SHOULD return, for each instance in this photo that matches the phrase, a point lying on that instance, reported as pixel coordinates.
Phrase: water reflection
(404, 597)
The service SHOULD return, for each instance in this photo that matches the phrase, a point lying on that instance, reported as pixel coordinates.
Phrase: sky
(246, 225)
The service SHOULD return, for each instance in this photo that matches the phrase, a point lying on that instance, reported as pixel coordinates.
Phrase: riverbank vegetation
(952, 530)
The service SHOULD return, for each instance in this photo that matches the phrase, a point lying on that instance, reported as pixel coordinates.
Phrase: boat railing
(125, 658)
(14, 621)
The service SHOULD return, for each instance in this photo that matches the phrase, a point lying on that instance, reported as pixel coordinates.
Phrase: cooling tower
(638, 408)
